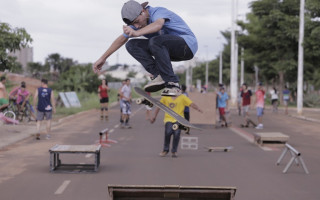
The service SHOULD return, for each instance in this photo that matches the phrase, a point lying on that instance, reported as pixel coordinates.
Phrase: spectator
(286, 98)
(46, 107)
(260, 104)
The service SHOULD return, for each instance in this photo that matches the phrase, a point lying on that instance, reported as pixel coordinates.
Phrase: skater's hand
(96, 67)
(152, 120)
(130, 32)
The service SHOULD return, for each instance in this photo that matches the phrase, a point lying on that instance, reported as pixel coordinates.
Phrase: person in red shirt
(246, 102)
(104, 98)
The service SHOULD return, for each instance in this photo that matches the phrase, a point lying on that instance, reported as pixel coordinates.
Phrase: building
(24, 56)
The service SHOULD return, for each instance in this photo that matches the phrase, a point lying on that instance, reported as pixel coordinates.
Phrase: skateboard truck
(144, 101)
(179, 126)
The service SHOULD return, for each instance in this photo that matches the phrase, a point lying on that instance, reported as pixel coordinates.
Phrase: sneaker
(172, 89)
(127, 126)
(155, 85)
(163, 154)
(174, 155)
(48, 137)
(260, 126)
(37, 136)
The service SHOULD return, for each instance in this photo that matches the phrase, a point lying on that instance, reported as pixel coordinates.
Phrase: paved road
(24, 167)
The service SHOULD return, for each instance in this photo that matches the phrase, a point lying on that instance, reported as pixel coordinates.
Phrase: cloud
(83, 30)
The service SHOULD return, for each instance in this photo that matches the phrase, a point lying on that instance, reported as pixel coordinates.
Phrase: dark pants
(167, 138)
(155, 54)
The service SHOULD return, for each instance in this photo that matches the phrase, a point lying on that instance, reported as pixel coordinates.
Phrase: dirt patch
(16, 79)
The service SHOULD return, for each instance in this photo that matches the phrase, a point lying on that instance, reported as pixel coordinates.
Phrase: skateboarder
(168, 39)
(46, 106)
(186, 109)
(246, 102)
(260, 104)
(125, 96)
(177, 104)
(222, 105)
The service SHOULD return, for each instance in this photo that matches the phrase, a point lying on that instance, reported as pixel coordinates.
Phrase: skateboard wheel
(175, 127)
(139, 101)
(187, 130)
(151, 105)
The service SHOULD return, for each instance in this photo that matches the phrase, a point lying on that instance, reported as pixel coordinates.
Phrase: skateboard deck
(182, 124)
(215, 149)
(249, 121)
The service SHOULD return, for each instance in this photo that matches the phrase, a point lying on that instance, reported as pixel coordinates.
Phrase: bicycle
(7, 115)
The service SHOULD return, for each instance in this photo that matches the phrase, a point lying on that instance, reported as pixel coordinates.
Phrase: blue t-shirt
(174, 25)
(286, 95)
(44, 99)
(222, 101)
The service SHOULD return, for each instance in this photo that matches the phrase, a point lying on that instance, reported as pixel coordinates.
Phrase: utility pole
(220, 68)
(300, 60)
(233, 71)
(242, 67)
(207, 67)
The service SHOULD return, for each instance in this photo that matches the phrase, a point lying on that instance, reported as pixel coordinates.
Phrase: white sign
(73, 99)
(64, 99)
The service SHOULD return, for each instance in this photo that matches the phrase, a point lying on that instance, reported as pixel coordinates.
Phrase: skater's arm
(155, 115)
(151, 28)
(194, 106)
(119, 42)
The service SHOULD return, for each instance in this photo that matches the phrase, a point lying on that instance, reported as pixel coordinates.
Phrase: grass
(88, 101)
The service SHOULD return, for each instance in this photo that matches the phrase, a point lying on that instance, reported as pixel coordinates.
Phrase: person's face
(103, 82)
(23, 89)
(244, 87)
(141, 21)
(128, 82)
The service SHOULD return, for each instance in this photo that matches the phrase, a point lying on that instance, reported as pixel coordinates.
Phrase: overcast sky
(84, 29)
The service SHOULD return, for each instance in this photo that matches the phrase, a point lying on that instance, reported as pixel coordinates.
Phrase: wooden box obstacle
(158, 192)
(57, 166)
(275, 138)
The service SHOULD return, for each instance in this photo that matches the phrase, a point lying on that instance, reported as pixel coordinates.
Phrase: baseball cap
(131, 10)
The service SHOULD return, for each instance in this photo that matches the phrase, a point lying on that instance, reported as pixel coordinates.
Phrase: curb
(31, 133)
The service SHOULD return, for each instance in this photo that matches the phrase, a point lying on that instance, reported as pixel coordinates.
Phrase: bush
(311, 100)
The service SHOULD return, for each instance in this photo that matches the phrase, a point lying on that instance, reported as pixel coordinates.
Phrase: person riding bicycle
(21, 96)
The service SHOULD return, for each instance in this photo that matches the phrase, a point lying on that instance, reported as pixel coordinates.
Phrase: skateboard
(249, 121)
(182, 123)
(223, 149)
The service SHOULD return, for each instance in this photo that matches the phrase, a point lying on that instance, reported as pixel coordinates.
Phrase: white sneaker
(172, 89)
(48, 137)
(260, 126)
(155, 85)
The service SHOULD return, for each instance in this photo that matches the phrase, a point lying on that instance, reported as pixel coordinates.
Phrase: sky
(84, 29)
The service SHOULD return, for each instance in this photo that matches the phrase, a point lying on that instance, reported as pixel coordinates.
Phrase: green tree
(270, 38)
(11, 39)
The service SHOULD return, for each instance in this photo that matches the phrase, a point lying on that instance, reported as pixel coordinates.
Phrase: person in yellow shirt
(177, 104)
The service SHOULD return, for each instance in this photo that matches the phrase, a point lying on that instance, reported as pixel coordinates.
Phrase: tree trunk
(281, 86)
